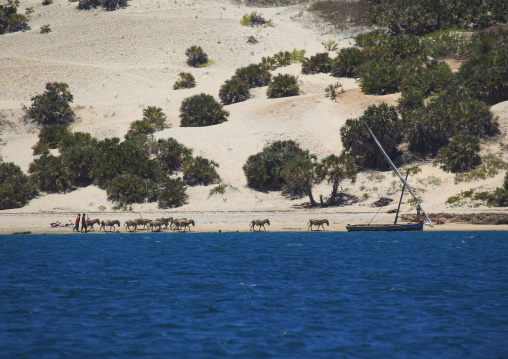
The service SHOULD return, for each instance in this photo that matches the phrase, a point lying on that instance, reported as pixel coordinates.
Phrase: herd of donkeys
(182, 224)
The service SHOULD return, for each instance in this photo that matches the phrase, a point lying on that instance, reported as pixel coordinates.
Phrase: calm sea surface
(255, 295)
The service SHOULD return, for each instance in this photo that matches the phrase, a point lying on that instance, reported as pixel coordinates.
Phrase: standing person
(76, 227)
(83, 223)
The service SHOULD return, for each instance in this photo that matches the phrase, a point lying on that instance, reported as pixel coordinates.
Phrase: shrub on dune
(53, 106)
(49, 174)
(16, 188)
(172, 193)
(283, 85)
(200, 171)
(201, 110)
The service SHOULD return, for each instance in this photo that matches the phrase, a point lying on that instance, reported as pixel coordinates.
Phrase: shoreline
(212, 222)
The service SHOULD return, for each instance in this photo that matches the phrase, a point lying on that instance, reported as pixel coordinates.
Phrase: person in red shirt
(76, 227)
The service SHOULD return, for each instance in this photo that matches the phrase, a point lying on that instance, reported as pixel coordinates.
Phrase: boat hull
(385, 227)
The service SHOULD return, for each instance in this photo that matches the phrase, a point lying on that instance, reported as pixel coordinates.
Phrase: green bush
(316, 64)
(16, 188)
(380, 78)
(371, 38)
(171, 155)
(10, 20)
(282, 58)
(172, 193)
(264, 169)
(109, 5)
(299, 177)
(200, 171)
(201, 110)
(341, 13)
(384, 122)
(283, 85)
(114, 158)
(346, 63)
(53, 135)
(53, 106)
(49, 174)
(196, 56)
(89, 4)
(76, 139)
(486, 76)
(461, 155)
(252, 19)
(255, 75)
(334, 169)
(234, 90)
(78, 161)
(424, 82)
(129, 188)
(154, 116)
(186, 81)
(451, 42)
(141, 127)
(45, 29)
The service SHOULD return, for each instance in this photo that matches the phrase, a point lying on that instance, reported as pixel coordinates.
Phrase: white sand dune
(117, 63)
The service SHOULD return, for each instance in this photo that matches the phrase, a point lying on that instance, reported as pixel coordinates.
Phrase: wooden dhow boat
(394, 227)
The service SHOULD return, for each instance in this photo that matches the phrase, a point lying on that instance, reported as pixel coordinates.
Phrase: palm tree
(233, 91)
(335, 169)
(299, 176)
(154, 116)
(283, 85)
(53, 106)
(49, 174)
(201, 110)
(171, 154)
(172, 193)
(201, 171)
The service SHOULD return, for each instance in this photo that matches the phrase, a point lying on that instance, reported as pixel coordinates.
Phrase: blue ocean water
(255, 295)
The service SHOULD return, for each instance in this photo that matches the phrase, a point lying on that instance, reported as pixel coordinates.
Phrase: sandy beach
(117, 63)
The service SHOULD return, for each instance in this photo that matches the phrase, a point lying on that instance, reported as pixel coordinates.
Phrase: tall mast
(429, 222)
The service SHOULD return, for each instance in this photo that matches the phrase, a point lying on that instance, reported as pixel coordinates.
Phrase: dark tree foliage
(112, 5)
(234, 90)
(196, 56)
(254, 75)
(423, 16)
(172, 193)
(264, 169)
(77, 139)
(186, 81)
(53, 106)
(16, 188)
(347, 61)
(486, 75)
(89, 4)
(282, 58)
(200, 171)
(171, 155)
(299, 177)
(115, 158)
(461, 154)
(129, 188)
(155, 117)
(52, 136)
(318, 63)
(283, 85)
(424, 82)
(334, 169)
(201, 110)
(78, 161)
(10, 20)
(384, 122)
(141, 127)
(109, 5)
(370, 39)
(453, 112)
(389, 62)
(49, 174)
